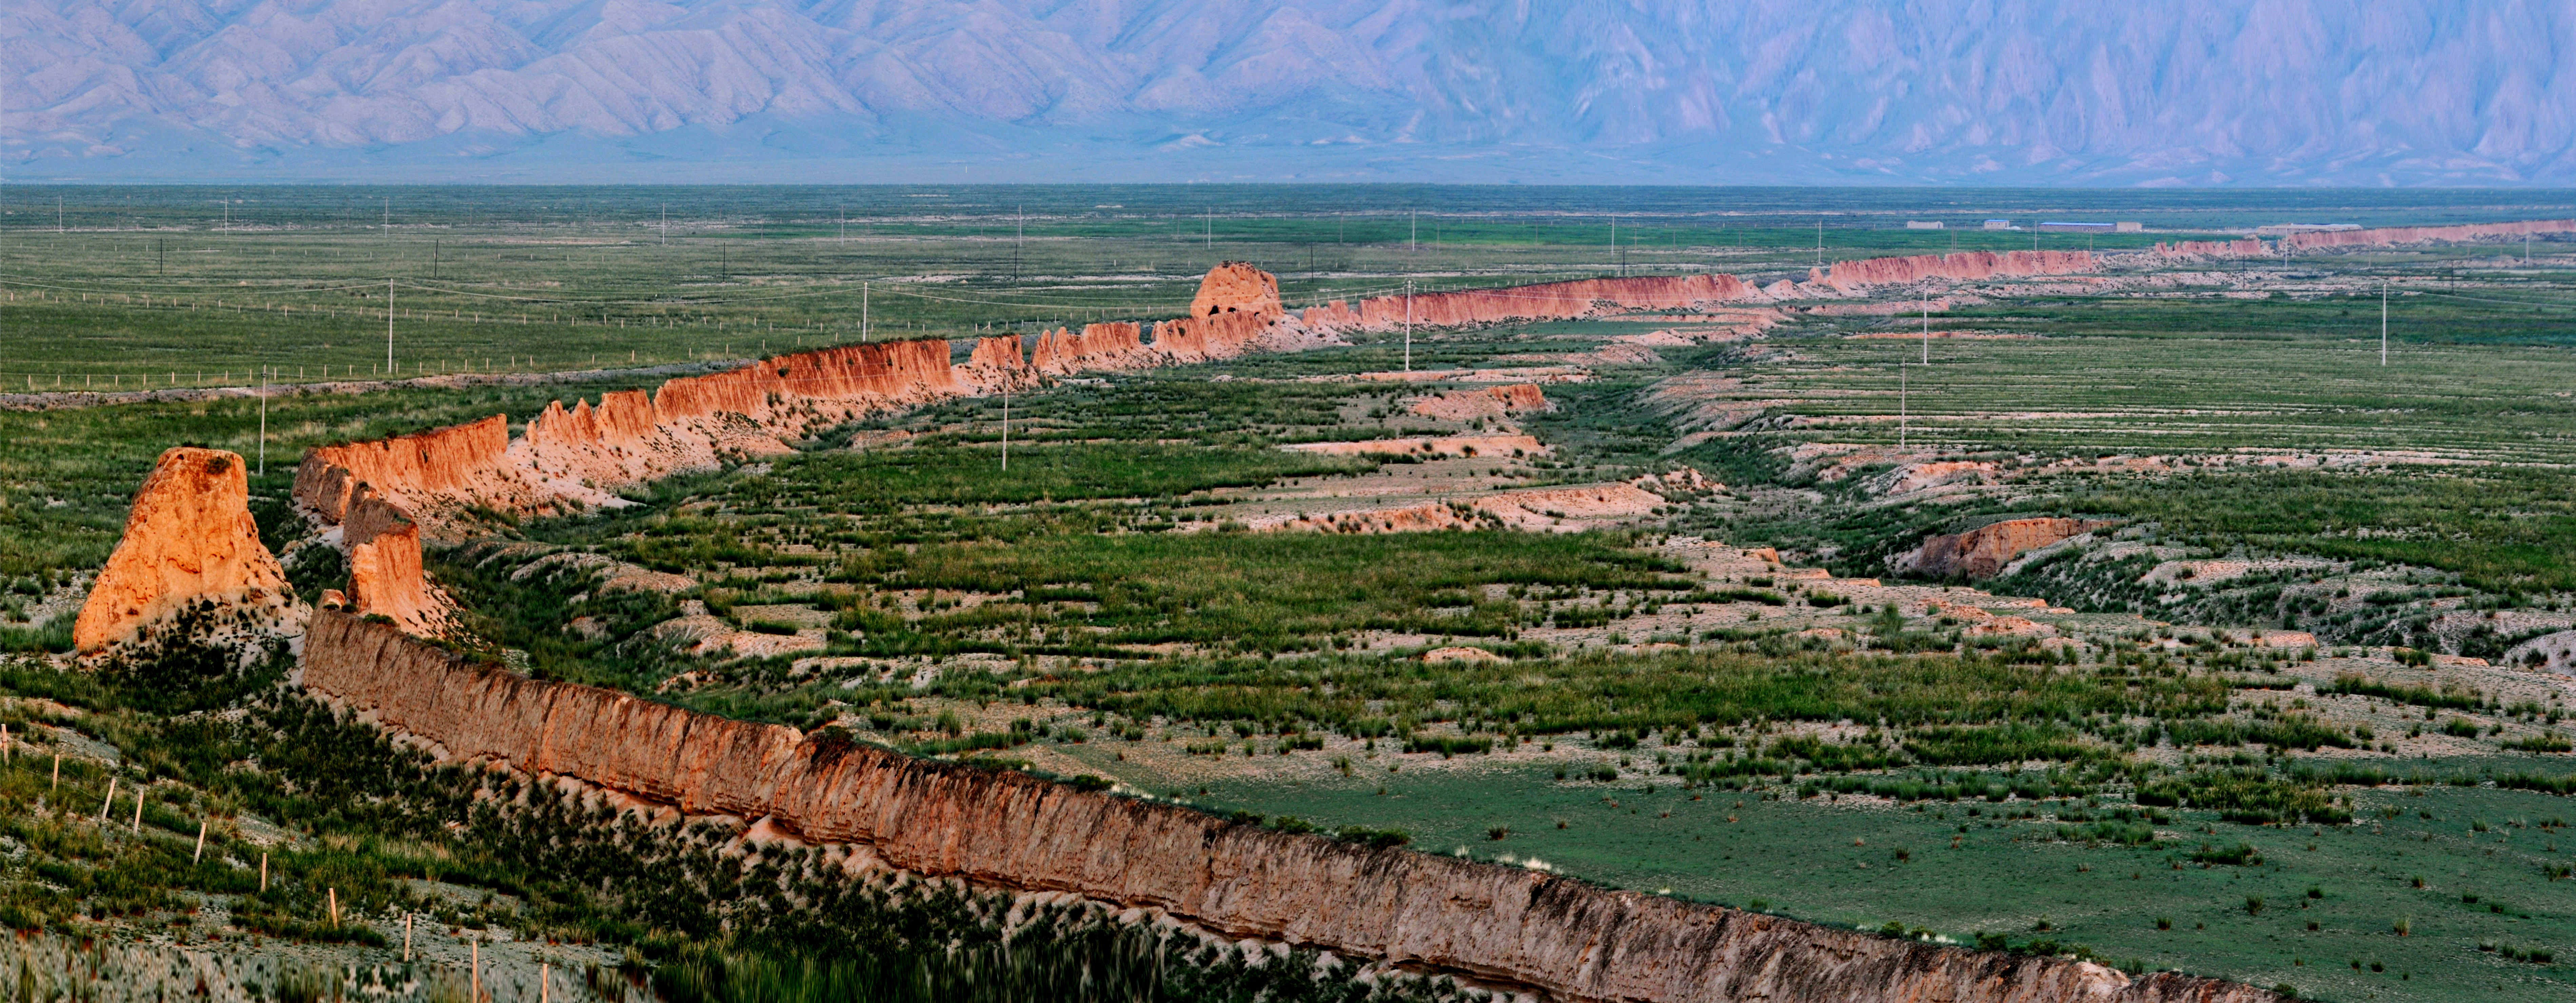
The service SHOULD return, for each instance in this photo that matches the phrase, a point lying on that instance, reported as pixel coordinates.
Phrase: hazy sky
(2167, 92)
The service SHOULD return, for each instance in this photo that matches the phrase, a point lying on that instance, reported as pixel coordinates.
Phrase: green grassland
(156, 285)
(1092, 606)
(2025, 871)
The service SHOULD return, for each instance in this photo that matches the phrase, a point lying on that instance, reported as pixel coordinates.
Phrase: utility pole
(433, 258)
(1413, 236)
(863, 312)
(1006, 429)
(1408, 325)
(263, 420)
(1021, 237)
(845, 224)
(389, 328)
(1820, 242)
(666, 224)
(389, 220)
(2383, 322)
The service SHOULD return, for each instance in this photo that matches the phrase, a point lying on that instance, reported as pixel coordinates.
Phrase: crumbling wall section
(1001, 829)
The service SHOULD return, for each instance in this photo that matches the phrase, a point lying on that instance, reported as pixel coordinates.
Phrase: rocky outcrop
(1002, 829)
(190, 560)
(1981, 552)
(2249, 247)
(2393, 235)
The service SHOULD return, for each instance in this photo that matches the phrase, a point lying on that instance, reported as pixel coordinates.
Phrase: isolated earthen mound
(189, 542)
(1981, 552)
(1237, 287)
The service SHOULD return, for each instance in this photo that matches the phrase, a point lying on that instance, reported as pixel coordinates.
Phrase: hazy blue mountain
(1984, 91)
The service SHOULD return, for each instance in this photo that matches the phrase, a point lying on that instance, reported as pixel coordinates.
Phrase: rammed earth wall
(1499, 924)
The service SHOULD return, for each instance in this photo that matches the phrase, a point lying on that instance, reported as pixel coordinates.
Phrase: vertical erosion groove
(1500, 924)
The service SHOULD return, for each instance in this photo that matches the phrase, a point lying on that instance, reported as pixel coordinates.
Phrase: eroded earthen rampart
(2390, 236)
(1503, 925)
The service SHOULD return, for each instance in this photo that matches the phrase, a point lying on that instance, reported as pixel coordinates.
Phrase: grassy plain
(157, 286)
(1750, 737)
(1869, 863)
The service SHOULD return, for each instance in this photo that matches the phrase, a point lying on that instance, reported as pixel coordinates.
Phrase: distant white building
(1916, 224)
(2128, 227)
(1999, 224)
(2056, 226)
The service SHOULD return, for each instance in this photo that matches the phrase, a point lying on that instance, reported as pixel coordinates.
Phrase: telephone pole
(389, 328)
(666, 225)
(2383, 322)
(1408, 325)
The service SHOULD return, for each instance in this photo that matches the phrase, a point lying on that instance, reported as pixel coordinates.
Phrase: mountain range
(1995, 92)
